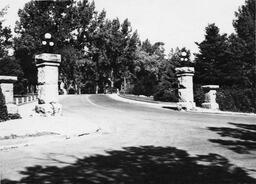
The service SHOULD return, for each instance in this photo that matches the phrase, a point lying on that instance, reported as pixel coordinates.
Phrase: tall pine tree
(212, 57)
(244, 25)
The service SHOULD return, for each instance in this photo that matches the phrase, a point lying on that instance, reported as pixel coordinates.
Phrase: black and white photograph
(127, 92)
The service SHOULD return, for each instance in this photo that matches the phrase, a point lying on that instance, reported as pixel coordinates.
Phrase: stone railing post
(210, 97)
(6, 84)
(186, 94)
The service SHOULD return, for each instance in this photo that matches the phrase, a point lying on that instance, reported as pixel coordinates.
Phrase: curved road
(208, 143)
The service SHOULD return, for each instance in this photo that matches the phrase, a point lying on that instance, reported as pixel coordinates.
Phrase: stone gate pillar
(210, 97)
(185, 79)
(6, 84)
(48, 72)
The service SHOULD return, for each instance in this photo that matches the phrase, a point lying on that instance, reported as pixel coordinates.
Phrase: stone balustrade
(20, 100)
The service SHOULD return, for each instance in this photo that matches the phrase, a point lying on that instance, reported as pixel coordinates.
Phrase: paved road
(139, 144)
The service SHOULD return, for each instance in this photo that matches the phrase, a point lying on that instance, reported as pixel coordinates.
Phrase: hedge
(198, 95)
(239, 100)
(3, 108)
(230, 99)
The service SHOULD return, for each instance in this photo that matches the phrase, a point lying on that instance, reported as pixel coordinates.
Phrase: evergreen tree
(212, 56)
(230, 61)
(244, 25)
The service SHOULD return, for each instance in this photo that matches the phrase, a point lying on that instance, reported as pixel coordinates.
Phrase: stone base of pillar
(49, 109)
(213, 106)
(12, 109)
(186, 105)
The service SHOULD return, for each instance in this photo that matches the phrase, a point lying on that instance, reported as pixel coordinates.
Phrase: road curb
(174, 107)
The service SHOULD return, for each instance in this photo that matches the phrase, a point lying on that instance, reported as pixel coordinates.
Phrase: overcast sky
(174, 22)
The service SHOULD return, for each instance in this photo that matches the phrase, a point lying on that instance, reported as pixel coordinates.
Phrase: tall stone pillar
(210, 97)
(48, 72)
(6, 84)
(186, 94)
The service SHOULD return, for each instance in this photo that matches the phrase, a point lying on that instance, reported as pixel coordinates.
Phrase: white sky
(174, 22)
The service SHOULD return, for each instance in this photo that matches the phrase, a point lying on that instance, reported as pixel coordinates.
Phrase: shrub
(14, 116)
(145, 85)
(111, 90)
(198, 95)
(167, 90)
(242, 100)
(166, 95)
(3, 108)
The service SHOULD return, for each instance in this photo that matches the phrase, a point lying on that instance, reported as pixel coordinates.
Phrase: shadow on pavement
(243, 137)
(138, 165)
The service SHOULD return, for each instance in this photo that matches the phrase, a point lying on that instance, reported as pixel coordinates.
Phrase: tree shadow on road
(138, 165)
(243, 137)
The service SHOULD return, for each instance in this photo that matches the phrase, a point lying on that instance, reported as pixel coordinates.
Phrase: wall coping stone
(8, 79)
(182, 70)
(211, 87)
(48, 59)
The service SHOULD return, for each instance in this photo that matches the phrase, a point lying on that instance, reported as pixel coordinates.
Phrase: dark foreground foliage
(138, 165)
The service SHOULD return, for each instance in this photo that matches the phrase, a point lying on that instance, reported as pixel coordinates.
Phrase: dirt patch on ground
(14, 136)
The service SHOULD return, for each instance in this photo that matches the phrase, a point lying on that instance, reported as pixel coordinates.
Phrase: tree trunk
(125, 85)
(112, 78)
(97, 89)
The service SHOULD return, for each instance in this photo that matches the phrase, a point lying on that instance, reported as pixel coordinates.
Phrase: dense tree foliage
(213, 55)
(244, 25)
(80, 33)
(5, 35)
(36, 19)
(99, 54)
(8, 64)
(229, 61)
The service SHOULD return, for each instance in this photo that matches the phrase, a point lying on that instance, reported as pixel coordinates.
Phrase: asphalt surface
(138, 143)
